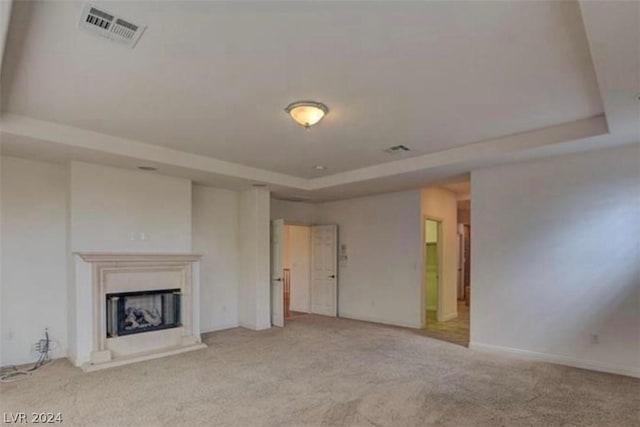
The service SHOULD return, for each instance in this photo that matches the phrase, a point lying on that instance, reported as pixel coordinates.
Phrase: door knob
(279, 279)
(333, 276)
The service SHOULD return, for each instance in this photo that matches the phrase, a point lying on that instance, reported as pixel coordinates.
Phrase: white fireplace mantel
(137, 257)
(100, 273)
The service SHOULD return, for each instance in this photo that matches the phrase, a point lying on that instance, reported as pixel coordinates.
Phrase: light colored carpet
(323, 371)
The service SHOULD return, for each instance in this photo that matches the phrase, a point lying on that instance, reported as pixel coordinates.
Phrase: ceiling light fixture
(307, 113)
(320, 168)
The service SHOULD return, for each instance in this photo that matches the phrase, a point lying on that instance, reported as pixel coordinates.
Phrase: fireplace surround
(130, 307)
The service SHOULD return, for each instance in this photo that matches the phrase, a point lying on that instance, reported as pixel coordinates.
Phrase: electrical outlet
(595, 339)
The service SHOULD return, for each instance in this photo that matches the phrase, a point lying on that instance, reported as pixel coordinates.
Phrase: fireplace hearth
(143, 311)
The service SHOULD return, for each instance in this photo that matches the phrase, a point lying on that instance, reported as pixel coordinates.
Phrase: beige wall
(382, 279)
(215, 236)
(118, 210)
(254, 273)
(293, 212)
(36, 218)
(556, 259)
(441, 204)
(33, 291)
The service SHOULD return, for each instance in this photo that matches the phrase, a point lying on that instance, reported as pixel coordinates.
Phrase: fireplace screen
(145, 311)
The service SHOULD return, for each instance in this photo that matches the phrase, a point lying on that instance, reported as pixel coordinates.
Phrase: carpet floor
(334, 372)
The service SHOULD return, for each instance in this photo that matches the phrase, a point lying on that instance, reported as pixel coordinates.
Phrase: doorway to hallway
(433, 267)
(304, 277)
(455, 331)
(446, 266)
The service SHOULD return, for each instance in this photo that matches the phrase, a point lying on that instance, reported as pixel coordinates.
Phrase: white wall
(293, 212)
(556, 258)
(254, 278)
(382, 279)
(298, 260)
(33, 293)
(215, 236)
(111, 206)
(439, 203)
(48, 210)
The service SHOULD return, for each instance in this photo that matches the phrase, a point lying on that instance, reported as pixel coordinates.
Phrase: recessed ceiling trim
(97, 142)
(565, 132)
(142, 151)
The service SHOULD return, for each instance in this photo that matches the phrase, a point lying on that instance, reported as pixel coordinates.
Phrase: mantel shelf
(137, 257)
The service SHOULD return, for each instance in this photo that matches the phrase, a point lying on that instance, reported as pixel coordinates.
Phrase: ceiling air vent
(110, 26)
(397, 149)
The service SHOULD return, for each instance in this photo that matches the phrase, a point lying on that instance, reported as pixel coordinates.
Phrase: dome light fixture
(307, 113)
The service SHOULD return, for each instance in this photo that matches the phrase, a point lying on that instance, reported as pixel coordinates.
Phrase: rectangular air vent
(397, 149)
(110, 26)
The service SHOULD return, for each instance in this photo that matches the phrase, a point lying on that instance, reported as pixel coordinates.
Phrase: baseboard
(378, 320)
(252, 327)
(221, 328)
(31, 360)
(449, 316)
(557, 359)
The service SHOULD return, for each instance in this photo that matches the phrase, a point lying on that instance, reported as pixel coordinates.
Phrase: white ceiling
(457, 82)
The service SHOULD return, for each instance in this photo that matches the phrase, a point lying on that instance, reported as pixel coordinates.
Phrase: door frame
(423, 270)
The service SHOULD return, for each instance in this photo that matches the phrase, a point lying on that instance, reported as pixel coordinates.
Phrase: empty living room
(320, 213)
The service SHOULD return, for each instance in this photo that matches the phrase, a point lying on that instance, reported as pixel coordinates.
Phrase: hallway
(455, 331)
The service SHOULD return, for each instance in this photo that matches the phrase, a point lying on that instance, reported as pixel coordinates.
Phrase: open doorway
(290, 271)
(433, 267)
(304, 277)
(446, 262)
(297, 270)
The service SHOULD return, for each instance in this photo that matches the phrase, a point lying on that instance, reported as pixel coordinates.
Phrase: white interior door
(324, 274)
(277, 259)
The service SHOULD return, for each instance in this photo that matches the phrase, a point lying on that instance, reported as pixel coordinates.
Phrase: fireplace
(143, 311)
(130, 307)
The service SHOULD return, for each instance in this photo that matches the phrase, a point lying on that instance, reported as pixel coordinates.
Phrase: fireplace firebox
(144, 311)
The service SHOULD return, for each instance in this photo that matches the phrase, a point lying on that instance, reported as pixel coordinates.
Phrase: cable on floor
(10, 374)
